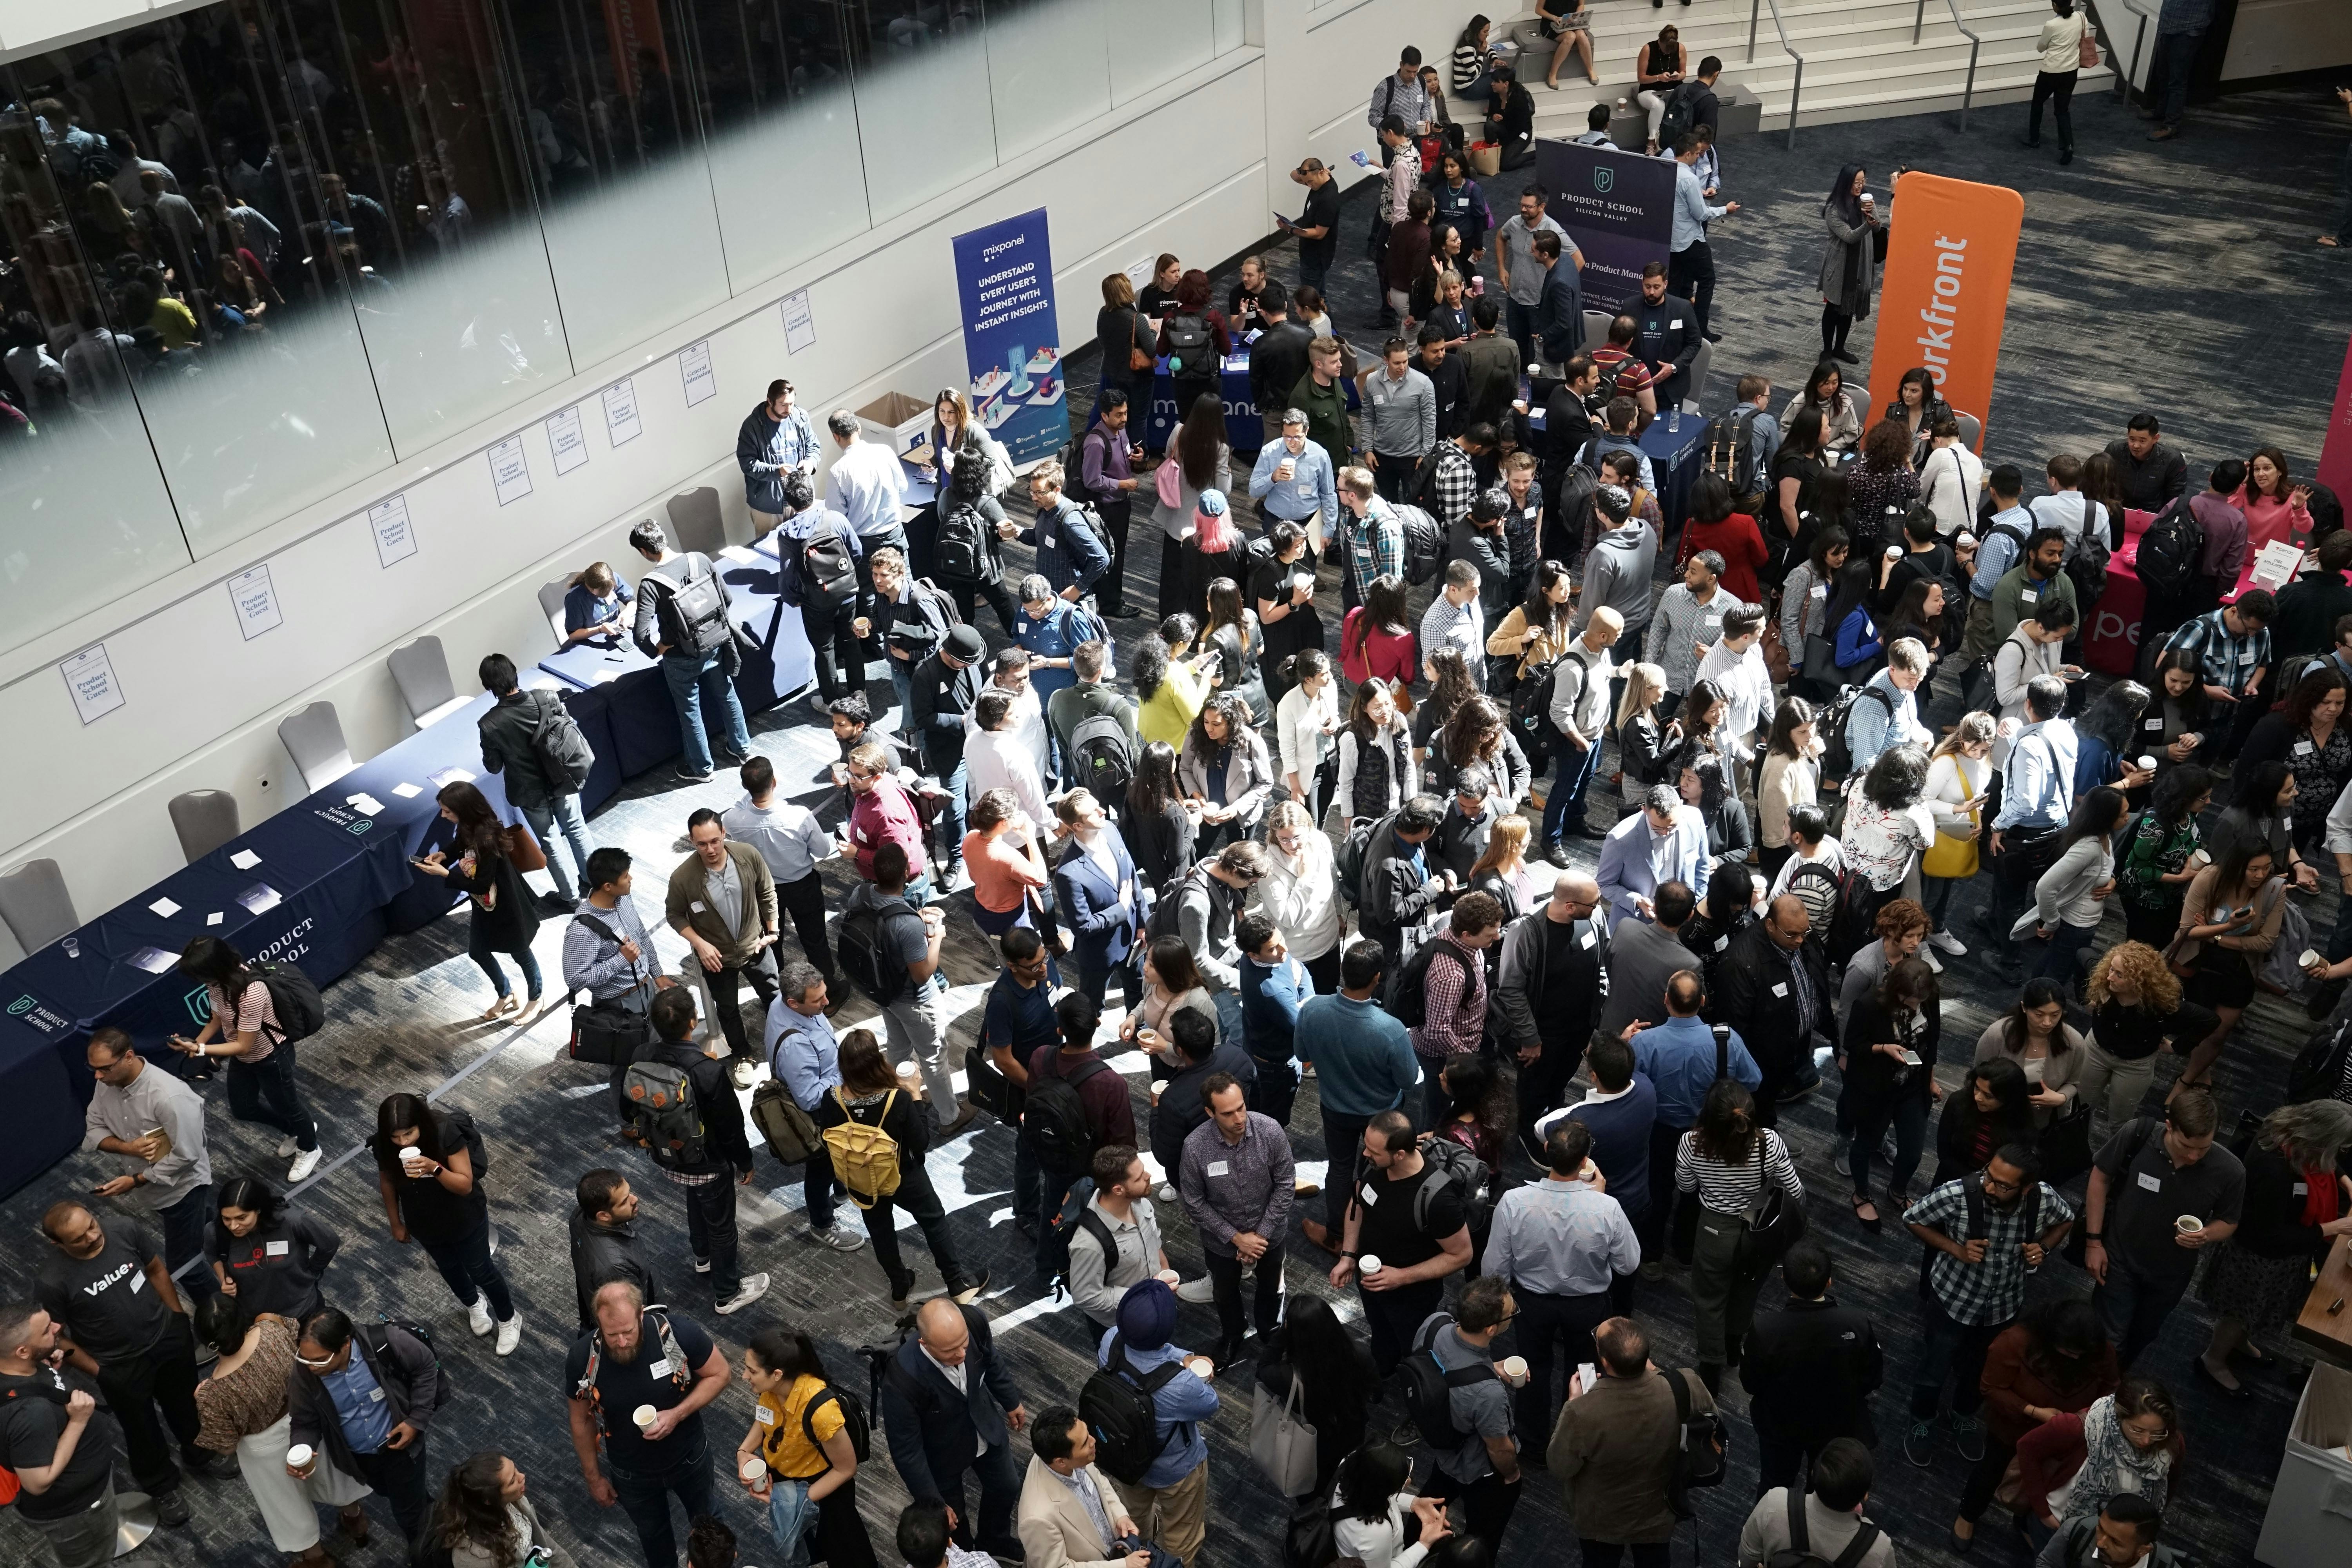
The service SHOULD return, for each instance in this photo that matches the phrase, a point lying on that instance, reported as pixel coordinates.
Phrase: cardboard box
(2309, 1520)
(903, 422)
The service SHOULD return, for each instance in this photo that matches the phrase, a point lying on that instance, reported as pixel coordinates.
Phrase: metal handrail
(1797, 87)
(1918, 19)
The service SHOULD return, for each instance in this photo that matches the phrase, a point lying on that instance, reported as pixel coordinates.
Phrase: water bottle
(1674, 421)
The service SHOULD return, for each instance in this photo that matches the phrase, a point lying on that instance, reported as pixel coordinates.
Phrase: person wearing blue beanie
(1170, 1503)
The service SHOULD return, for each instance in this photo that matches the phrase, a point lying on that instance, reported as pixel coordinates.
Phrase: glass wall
(253, 252)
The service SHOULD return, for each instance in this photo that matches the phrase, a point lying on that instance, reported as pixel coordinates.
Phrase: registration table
(1676, 455)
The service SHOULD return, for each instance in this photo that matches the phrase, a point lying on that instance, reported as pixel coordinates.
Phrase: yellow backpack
(865, 1158)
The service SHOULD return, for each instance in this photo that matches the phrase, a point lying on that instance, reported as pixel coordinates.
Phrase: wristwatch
(1351, 1254)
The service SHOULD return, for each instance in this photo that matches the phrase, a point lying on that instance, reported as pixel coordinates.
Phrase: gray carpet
(2179, 278)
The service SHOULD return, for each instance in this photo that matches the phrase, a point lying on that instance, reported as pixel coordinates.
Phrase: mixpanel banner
(1004, 282)
(1951, 246)
(2336, 452)
(1618, 207)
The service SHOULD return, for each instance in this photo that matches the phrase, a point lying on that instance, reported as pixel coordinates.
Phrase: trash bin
(2310, 1516)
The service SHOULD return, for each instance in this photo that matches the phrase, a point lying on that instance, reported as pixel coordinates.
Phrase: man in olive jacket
(722, 900)
(1615, 1446)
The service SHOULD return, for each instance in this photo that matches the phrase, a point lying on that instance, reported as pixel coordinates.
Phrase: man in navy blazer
(1094, 886)
(1665, 841)
(948, 1406)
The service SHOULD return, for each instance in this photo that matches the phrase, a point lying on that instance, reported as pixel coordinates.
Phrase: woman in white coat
(1300, 894)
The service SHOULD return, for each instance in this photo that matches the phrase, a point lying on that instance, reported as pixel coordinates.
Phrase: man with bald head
(1774, 986)
(630, 1360)
(1549, 991)
(948, 1406)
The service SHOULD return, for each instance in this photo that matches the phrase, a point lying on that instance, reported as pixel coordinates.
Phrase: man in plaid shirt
(1371, 540)
(1456, 479)
(1453, 991)
(1977, 1266)
(2234, 647)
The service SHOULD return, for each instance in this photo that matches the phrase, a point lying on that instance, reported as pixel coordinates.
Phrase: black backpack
(561, 751)
(1053, 1252)
(2318, 1068)
(1800, 1552)
(1408, 1000)
(2086, 564)
(828, 569)
(1425, 543)
(860, 941)
(854, 1421)
(1675, 123)
(698, 607)
(293, 996)
(1702, 1443)
(1188, 343)
(1054, 1121)
(959, 552)
(1837, 756)
(1102, 755)
(2170, 551)
(1116, 1405)
(1730, 452)
(1450, 1165)
(1429, 1386)
(1571, 511)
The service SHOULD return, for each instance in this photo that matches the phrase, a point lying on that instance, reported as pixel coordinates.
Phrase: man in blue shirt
(1363, 1063)
(1293, 482)
(1069, 554)
(1886, 714)
(1169, 1504)
(805, 1058)
(1690, 270)
(1274, 987)
(1680, 1058)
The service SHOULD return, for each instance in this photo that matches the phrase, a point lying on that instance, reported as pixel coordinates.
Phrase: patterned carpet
(2123, 300)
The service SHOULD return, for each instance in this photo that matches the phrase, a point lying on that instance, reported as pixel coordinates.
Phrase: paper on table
(213, 918)
(2275, 565)
(366, 805)
(406, 791)
(259, 897)
(155, 961)
(448, 776)
(245, 860)
(165, 908)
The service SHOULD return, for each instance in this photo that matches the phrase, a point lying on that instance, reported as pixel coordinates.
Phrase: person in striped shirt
(1728, 1162)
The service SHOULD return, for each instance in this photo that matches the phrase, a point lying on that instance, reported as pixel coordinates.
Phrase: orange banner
(1951, 246)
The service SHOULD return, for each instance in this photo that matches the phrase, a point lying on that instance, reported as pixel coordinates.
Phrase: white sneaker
(743, 1072)
(754, 1287)
(305, 1161)
(478, 1316)
(287, 1146)
(1197, 1290)
(839, 1237)
(1948, 942)
(1935, 964)
(510, 1335)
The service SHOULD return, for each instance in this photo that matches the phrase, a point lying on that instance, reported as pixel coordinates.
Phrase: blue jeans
(2181, 51)
(2062, 956)
(1572, 772)
(479, 949)
(902, 682)
(1955, 1351)
(644, 1498)
(957, 781)
(184, 1239)
(1232, 1028)
(694, 679)
(563, 812)
(792, 1518)
(265, 1091)
(465, 1262)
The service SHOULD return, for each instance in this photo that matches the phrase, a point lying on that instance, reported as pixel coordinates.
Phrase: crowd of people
(1598, 839)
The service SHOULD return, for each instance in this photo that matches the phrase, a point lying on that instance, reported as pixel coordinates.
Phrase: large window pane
(1159, 40)
(924, 117)
(1230, 26)
(632, 233)
(783, 143)
(1048, 69)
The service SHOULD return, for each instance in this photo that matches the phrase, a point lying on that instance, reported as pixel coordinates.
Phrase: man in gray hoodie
(1618, 570)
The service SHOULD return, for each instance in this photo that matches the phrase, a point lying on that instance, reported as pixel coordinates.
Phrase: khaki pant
(2123, 1083)
(1175, 1517)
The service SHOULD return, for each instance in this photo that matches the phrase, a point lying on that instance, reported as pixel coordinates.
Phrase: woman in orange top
(1003, 871)
(2277, 510)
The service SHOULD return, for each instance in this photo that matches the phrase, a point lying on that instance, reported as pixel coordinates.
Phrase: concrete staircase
(1860, 62)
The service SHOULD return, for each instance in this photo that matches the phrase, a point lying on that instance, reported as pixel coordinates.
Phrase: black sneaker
(969, 1291)
(171, 1508)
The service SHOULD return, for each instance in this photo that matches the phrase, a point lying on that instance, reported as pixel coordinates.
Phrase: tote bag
(1282, 1444)
(1950, 856)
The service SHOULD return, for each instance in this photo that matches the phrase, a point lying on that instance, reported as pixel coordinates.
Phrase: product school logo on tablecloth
(30, 1009)
(199, 1004)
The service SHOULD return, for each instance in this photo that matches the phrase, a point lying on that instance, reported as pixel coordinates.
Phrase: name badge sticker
(2149, 1184)
(660, 1368)
(1781, 989)
(1216, 1167)
(276, 1248)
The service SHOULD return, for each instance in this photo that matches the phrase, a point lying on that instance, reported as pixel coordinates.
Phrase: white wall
(1195, 167)
(2271, 37)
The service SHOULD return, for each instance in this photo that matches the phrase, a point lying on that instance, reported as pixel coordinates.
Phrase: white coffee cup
(1515, 1371)
(411, 1154)
(1201, 1367)
(644, 1415)
(2148, 765)
(2309, 959)
(909, 1071)
(2188, 1225)
(753, 1468)
(1170, 1277)
(1368, 1264)
(299, 1457)
(1895, 552)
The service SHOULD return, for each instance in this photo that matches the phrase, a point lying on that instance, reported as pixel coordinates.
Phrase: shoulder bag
(1772, 1222)
(1950, 856)
(1282, 1444)
(2087, 49)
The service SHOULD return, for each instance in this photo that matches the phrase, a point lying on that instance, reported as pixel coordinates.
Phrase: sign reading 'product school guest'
(1011, 344)
(1617, 207)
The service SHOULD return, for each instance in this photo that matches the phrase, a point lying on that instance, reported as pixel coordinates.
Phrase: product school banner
(1951, 246)
(1617, 207)
(1005, 282)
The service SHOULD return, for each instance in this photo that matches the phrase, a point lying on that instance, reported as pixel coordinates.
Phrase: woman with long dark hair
(2296, 1203)
(1539, 631)
(269, 1256)
(2154, 865)
(2138, 1009)
(1203, 462)
(2261, 804)
(2049, 1050)
(1704, 779)
(485, 1518)
(505, 915)
(1917, 406)
(261, 1082)
(432, 1190)
(2308, 735)
(2070, 899)
(1224, 768)
(1170, 680)
(1855, 646)
(1377, 640)
(1128, 345)
(1792, 777)
(1479, 1106)
(1475, 735)
(1850, 268)
(1306, 727)
(1824, 392)
(1727, 1162)
(2179, 700)
(807, 1480)
(1232, 629)
(242, 1410)
(1172, 984)
(1377, 770)
(2054, 1361)
(1451, 682)
(2106, 737)
(1889, 1051)
(1805, 599)
(1161, 832)
(1335, 1376)
(2229, 923)
(1368, 1517)
(2277, 509)
(1798, 464)
(1992, 1109)
(872, 1095)
(1918, 615)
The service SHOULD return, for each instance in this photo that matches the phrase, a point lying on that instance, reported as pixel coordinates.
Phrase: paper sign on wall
(510, 471)
(255, 598)
(694, 364)
(89, 676)
(395, 540)
(621, 424)
(800, 323)
(565, 439)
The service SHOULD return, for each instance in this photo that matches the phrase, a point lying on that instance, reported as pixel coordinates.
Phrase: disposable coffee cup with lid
(1368, 1264)
(297, 1458)
(1170, 1277)
(2148, 765)
(1201, 1366)
(908, 1071)
(643, 1416)
(410, 1153)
